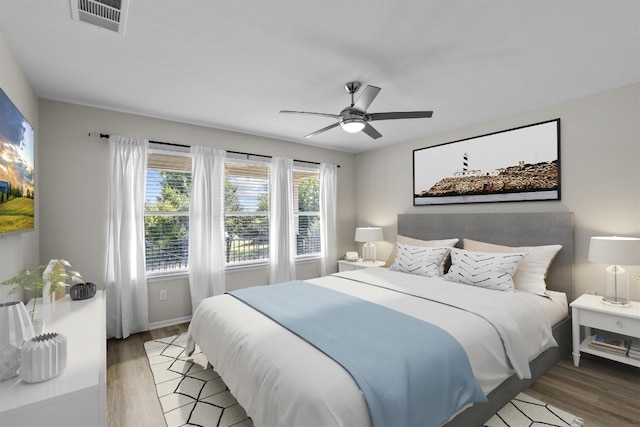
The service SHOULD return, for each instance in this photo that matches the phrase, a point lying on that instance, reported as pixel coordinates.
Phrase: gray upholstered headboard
(510, 229)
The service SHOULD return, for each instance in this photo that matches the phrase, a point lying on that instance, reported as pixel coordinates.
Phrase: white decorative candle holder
(43, 357)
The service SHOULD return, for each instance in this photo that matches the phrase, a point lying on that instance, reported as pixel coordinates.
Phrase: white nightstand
(589, 311)
(344, 265)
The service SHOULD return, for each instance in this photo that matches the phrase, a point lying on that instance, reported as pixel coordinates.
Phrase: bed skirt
(481, 412)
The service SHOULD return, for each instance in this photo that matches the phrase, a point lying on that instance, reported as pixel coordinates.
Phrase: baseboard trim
(170, 322)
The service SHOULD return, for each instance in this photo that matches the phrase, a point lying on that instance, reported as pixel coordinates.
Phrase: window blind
(168, 190)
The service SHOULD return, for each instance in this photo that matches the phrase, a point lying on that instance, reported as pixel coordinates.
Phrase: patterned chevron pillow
(420, 260)
(483, 269)
(532, 271)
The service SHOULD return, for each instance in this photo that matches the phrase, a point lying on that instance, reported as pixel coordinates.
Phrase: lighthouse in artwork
(465, 171)
(465, 168)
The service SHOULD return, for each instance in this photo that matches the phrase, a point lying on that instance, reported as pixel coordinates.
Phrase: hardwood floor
(602, 392)
(131, 394)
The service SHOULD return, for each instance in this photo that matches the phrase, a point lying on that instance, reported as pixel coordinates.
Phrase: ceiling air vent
(108, 14)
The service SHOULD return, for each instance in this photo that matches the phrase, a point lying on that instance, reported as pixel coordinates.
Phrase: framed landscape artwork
(520, 164)
(17, 176)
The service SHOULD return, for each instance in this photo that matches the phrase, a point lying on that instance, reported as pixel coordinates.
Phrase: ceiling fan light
(353, 125)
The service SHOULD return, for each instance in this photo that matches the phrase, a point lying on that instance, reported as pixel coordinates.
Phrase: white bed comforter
(281, 380)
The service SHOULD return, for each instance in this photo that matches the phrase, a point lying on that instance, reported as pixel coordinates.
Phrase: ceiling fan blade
(401, 115)
(371, 131)
(322, 130)
(367, 97)
(335, 116)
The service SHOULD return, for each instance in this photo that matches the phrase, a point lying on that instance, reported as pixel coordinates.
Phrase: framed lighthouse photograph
(519, 164)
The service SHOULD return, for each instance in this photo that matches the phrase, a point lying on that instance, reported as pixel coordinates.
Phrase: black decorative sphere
(82, 290)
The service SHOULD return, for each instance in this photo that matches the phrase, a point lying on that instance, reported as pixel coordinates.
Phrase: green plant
(33, 280)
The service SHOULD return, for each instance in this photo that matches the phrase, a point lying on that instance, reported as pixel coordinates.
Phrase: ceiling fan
(355, 118)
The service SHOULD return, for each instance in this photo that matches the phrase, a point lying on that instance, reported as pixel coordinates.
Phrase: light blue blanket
(411, 372)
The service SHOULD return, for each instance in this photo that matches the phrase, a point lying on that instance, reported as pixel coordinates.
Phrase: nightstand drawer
(617, 324)
(343, 266)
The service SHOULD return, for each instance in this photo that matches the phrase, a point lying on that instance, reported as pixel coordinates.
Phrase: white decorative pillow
(417, 242)
(420, 260)
(484, 269)
(532, 272)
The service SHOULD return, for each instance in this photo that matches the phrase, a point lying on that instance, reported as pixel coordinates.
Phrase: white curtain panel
(206, 225)
(126, 283)
(282, 236)
(328, 189)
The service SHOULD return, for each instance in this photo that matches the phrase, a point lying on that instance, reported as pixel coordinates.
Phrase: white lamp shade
(368, 234)
(615, 250)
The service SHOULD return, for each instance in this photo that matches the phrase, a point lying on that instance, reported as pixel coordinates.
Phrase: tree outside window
(246, 219)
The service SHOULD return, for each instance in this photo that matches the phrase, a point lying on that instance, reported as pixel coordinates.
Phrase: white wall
(73, 188)
(600, 176)
(600, 173)
(18, 250)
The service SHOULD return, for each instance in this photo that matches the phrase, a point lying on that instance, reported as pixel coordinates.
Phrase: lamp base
(616, 302)
(368, 252)
(616, 287)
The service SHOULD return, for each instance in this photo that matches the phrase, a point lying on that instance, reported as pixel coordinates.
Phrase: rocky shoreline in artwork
(524, 177)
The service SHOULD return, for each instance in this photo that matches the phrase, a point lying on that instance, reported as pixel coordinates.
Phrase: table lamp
(615, 251)
(368, 235)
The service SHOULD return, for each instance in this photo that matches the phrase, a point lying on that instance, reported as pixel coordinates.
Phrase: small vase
(15, 329)
(43, 357)
(38, 326)
(82, 291)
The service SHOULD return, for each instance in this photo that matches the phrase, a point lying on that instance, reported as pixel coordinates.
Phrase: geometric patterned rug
(525, 411)
(191, 393)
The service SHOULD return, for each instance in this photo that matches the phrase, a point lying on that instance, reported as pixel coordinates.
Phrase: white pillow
(532, 272)
(417, 242)
(484, 269)
(420, 260)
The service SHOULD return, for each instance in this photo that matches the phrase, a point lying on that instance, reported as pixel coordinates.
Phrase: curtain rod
(174, 144)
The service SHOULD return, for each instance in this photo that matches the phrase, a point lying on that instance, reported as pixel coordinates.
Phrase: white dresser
(78, 396)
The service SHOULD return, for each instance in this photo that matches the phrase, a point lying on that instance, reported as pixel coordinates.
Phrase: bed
(281, 379)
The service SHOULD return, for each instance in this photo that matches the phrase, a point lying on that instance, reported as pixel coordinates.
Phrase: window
(246, 218)
(306, 199)
(247, 211)
(166, 220)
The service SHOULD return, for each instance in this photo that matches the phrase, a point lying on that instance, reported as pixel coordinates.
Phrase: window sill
(307, 258)
(181, 274)
(159, 276)
(247, 266)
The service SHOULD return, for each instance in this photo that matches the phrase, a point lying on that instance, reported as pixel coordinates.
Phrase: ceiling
(234, 64)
